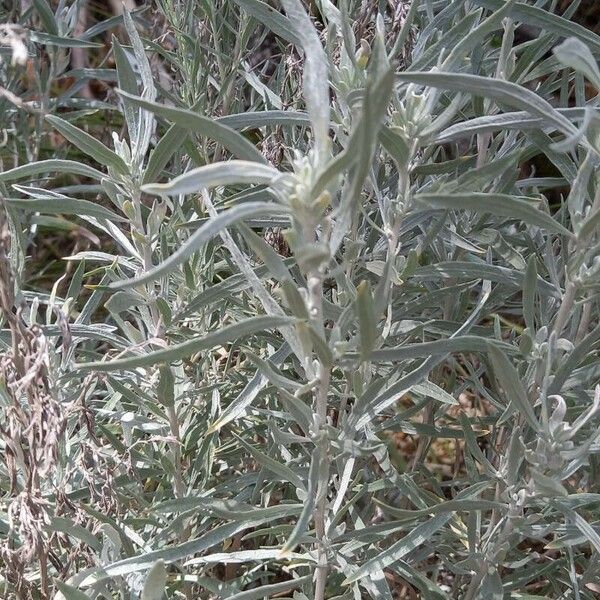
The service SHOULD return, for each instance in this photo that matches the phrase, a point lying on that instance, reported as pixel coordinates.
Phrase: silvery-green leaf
(491, 586)
(46, 15)
(513, 387)
(579, 193)
(241, 556)
(227, 509)
(249, 393)
(474, 37)
(498, 204)
(590, 225)
(270, 590)
(449, 39)
(222, 173)
(465, 343)
(272, 374)
(74, 530)
(575, 54)
(49, 166)
(275, 467)
(88, 144)
(365, 137)
(537, 17)
(205, 233)
(316, 75)
(366, 319)
(405, 30)
(143, 123)
(265, 118)
(127, 80)
(279, 24)
(574, 359)
(61, 41)
(401, 548)
(237, 144)
(68, 592)
(369, 405)
(450, 506)
(165, 391)
(186, 349)
(547, 486)
(307, 512)
(529, 290)
(265, 252)
(154, 584)
(162, 153)
(477, 270)
(63, 206)
(504, 92)
(430, 389)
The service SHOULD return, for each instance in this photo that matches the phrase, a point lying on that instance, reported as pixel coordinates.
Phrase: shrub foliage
(302, 303)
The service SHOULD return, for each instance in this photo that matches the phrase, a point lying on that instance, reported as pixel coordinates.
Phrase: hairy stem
(315, 301)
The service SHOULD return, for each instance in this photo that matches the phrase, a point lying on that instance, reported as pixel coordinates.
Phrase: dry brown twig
(32, 427)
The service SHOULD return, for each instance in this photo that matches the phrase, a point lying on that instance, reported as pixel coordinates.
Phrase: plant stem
(176, 450)
(315, 301)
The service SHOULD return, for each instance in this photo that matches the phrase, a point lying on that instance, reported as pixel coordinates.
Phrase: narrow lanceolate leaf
(68, 592)
(279, 24)
(168, 144)
(537, 17)
(172, 553)
(309, 505)
(477, 270)
(395, 552)
(450, 506)
(154, 585)
(249, 393)
(519, 120)
(176, 352)
(366, 319)
(510, 381)
(88, 144)
(240, 557)
(205, 233)
(368, 406)
(266, 253)
(53, 165)
(474, 37)
(586, 528)
(502, 91)
(529, 289)
(229, 509)
(208, 176)
(466, 343)
(143, 126)
(61, 41)
(431, 390)
(46, 16)
(230, 139)
(364, 138)
(249, 120)
(269, 590)
(275, 467)
(588, 344)
(127, 80)
(575, 54)
(316, 74)
(63, 206)
(497, 204)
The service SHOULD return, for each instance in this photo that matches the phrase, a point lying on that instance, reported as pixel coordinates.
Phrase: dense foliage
(299, 301)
